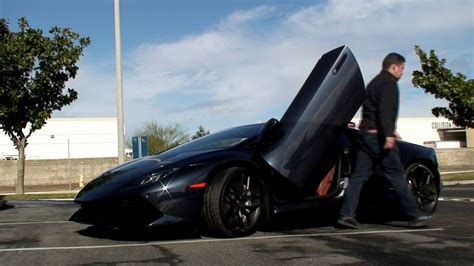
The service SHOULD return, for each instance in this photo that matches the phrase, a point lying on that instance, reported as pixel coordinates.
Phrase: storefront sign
(442, 125)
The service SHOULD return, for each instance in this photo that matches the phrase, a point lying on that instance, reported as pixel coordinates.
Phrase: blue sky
(227, 63)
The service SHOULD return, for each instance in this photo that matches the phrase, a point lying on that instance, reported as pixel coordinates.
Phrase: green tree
(436, 79)
(34, 69)
(161, 138)
(201, 132)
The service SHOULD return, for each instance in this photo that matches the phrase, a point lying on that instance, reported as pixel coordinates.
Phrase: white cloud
(239, 18)
(249, 66)
(96, 91)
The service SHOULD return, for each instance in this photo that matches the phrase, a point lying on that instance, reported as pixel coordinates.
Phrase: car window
(220, 140)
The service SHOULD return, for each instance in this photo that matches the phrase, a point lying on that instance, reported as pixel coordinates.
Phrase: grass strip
(458, 176)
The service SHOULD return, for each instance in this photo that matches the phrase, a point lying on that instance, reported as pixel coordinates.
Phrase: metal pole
(69, 164)
(118, 75)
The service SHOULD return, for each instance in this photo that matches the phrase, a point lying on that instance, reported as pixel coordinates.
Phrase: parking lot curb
(459, 182)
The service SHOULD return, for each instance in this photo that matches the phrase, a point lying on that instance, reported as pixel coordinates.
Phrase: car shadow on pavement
(294, 220)
(317, 217)
(131, 234)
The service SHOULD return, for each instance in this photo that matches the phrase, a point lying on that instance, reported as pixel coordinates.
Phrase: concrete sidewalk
(41, 189)
(456, 170)
(43, 192)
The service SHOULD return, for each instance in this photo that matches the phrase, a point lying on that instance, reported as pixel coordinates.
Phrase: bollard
(81, 181)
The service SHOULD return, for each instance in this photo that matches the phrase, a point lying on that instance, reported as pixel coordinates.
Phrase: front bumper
(133, 211)
(147, 209)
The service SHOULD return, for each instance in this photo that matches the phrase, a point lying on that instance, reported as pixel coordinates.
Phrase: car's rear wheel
(424, 186)
(235, 202)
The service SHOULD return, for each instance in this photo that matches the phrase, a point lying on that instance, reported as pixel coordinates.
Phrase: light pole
(68, 150)
(118, 76)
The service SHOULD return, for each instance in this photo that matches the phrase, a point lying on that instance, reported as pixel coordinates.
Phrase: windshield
(220, 140)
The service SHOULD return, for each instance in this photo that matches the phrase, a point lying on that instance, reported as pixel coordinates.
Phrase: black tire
(424, 186)
(235, 203)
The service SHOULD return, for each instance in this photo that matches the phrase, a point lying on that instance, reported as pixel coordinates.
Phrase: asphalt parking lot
(39, 233)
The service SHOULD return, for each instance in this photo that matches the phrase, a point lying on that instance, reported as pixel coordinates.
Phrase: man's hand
(397, 136)
(389, 143)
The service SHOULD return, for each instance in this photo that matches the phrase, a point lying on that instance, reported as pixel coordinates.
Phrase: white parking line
(223, 240)
(27, 223)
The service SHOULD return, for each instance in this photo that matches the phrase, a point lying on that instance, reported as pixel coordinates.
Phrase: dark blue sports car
(234, 180)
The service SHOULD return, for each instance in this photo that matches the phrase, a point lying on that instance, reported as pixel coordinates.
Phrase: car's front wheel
(423, 185)
(235, 201)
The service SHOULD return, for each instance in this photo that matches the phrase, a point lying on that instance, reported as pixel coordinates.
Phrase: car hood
(128, 173)
(139, 167)
(327, 101)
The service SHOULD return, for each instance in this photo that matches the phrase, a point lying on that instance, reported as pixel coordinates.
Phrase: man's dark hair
(391, 59)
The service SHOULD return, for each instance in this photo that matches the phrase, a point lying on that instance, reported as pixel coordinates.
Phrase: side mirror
(270, 133)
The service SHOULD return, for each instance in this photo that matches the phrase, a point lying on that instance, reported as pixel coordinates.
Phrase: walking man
(377, 144)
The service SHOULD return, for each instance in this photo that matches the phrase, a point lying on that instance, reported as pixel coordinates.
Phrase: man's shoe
(348, 222)
(419, 221)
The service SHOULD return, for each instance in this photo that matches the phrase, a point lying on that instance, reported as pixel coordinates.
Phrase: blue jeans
(370, 153)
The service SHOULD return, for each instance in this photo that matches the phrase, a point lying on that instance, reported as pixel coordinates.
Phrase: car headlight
(155, 177)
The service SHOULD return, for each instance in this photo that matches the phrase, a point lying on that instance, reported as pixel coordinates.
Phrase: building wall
(456, 157)
(55, 172)
(419, 130)
(63, 138)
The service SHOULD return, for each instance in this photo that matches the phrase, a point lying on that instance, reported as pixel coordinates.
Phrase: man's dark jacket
(380, 108)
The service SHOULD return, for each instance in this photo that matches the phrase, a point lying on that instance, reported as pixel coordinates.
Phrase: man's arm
(387, 114)
(387, 109)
